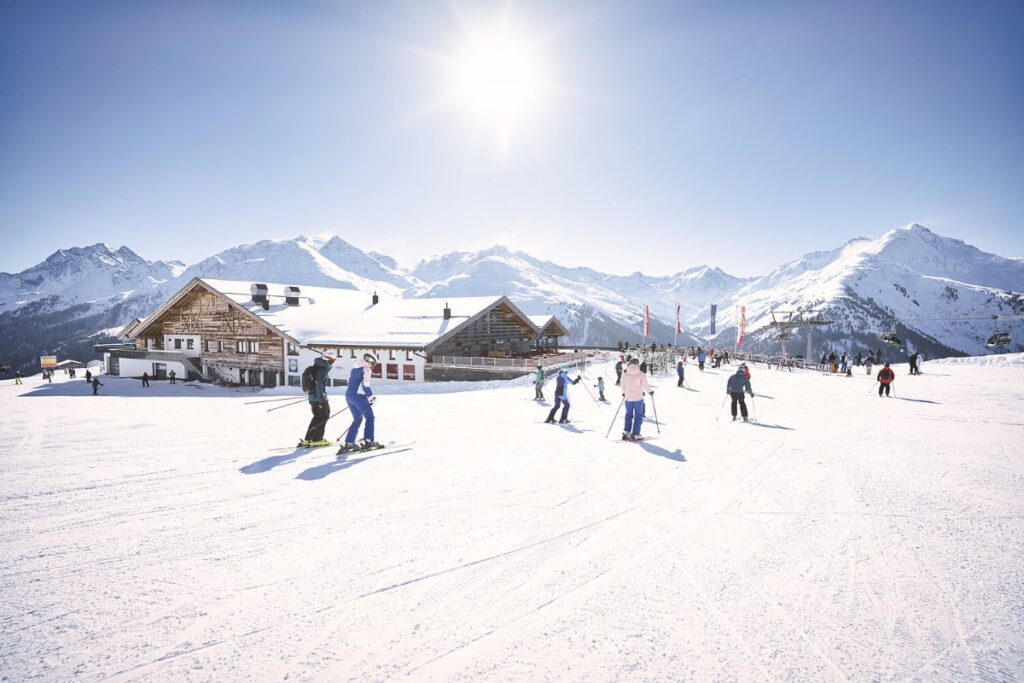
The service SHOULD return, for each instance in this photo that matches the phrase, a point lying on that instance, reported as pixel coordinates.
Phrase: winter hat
(634, 361)
(329, 357)
(370, 358)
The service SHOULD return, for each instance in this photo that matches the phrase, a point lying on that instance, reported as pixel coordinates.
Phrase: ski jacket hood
(634, 384)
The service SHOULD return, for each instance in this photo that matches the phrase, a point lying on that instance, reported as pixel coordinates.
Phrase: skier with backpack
(361, 406)
(681, 371)
(562, 383)
(735, 387)
(885, 378)
(314, 383)
(634, 386)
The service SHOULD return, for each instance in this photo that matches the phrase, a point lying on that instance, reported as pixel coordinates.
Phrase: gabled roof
(328, 316)
(549, 323)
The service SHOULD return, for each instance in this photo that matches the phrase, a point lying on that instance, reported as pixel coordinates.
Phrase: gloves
(651, 392)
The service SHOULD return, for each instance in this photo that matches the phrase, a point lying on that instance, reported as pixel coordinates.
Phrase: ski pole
(616, 417)
(270, 400)
(753, 407)
(872, 387)
(301, 400)
(335, 413)
(655, 406)
(591, 394)
(720, 407)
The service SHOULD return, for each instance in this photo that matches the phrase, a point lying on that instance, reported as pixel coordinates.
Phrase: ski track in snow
(159, 536)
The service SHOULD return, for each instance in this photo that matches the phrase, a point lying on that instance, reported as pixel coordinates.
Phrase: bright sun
(497, 79)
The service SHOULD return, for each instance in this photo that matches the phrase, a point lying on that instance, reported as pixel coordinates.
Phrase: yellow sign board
(47, 362)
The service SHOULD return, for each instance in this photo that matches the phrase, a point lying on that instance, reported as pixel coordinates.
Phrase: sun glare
(497, 79)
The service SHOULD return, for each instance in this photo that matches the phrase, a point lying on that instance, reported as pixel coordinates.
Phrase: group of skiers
(359, 404)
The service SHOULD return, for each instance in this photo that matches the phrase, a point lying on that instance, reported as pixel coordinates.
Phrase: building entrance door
(159, 370)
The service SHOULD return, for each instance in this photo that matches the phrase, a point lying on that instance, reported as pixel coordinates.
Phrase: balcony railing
(506, 363)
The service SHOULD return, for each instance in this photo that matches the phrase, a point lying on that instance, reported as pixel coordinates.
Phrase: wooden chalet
(265, 334)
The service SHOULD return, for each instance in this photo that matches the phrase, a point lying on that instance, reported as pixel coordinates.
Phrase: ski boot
(635, 437)
(746, 419)
(549, 421)
(626, 436)
(347, 448)
(367, 445)
(564, 422)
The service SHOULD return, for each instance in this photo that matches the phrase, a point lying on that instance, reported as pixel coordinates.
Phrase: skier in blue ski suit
(360, 404)
(318, 403)
(701, 357)
(562, 383)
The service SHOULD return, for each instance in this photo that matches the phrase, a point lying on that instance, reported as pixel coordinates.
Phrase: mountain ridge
(934, 289)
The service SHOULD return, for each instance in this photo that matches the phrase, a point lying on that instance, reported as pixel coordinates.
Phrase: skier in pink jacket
(634, 386)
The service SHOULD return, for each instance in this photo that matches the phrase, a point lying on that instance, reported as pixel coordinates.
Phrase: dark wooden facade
(498, 332)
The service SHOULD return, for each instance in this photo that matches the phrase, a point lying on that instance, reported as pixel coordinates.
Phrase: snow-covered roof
(542, 321)
(329, 316)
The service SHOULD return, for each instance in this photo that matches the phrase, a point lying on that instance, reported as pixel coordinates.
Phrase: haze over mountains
(937, 293)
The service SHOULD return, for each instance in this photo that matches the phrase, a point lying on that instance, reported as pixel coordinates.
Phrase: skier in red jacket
(885, 378)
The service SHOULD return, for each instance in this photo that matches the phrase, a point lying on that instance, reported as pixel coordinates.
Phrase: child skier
(538, 384)
(360, 405)
(562, 395)
(681, 371)
(600, 389)
(634, 386)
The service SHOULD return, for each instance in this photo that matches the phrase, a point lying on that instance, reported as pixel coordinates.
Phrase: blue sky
(669, 134)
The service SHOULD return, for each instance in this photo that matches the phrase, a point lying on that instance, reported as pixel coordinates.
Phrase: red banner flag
(647, 321)
(679, 327)
(742, 331)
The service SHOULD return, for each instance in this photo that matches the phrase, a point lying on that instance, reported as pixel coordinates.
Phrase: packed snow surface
(172, 534)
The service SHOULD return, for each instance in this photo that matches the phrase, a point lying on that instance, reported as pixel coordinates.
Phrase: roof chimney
(259, 293)
(447, 311)
(291, 295)
(376, 298)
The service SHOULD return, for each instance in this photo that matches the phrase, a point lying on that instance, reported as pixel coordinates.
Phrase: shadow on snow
(321, 471)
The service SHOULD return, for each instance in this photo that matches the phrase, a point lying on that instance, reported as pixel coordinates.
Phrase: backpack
(309, 380)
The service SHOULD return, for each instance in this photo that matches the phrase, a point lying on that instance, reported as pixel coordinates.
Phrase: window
(241, 376)
(254, 347)
(294, 381)
(177, 343)
(293, 350)
(190, 344)
(392, 370)
(376, 371)
(409, 372)
(240, 346)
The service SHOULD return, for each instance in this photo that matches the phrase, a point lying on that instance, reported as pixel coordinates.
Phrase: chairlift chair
(998, 339)
(890, 339)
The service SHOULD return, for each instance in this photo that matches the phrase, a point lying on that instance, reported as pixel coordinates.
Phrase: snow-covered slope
(937, 293)
(805, 547)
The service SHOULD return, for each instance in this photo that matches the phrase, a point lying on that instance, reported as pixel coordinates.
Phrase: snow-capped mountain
(322, 263)
(596, 307)
(94, 274)
(936, 293)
